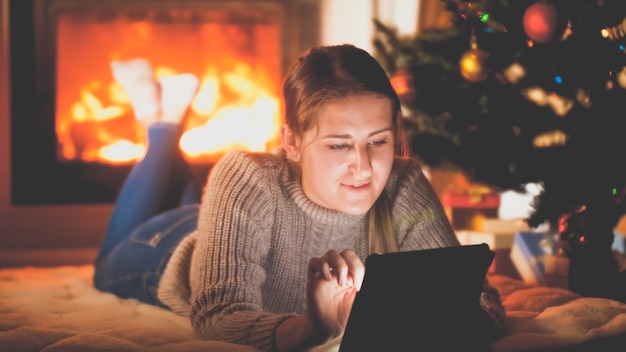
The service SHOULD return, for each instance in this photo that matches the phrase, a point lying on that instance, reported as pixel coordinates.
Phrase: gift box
(535, 257)
(468, 211)
(528, 253)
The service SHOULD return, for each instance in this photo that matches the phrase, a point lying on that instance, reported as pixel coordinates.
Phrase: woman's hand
(331, 285)
(332, 282)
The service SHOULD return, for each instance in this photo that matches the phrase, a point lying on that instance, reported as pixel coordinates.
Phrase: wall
(351, 21)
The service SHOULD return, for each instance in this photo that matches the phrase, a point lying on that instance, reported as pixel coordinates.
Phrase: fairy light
(615, 32)
(604, 33)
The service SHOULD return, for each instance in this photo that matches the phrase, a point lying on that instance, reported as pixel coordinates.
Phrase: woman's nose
(361, 166)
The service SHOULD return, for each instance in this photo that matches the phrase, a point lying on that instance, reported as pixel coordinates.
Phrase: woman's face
(347, 157)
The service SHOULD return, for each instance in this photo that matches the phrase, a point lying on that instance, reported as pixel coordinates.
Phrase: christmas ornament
(541, 21)
(403, 83)
(474, 63)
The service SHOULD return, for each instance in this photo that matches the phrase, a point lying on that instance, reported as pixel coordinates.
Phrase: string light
(615, 32)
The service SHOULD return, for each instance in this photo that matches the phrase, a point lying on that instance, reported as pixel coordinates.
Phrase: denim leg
(147, 221)
(134, 267)
(145, 188)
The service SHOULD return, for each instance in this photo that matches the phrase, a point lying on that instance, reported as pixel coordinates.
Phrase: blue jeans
(155, 209)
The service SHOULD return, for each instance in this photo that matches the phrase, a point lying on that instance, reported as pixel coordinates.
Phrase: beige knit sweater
(243, 271)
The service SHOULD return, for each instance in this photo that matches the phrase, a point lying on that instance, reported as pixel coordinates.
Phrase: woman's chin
(356, 209)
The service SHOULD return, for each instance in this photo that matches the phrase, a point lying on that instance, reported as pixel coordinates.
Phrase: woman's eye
(379, 142)
(339, 146)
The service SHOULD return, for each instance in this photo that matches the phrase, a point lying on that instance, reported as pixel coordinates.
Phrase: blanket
(58, 309)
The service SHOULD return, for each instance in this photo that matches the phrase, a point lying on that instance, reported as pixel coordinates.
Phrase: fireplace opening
(74, 137)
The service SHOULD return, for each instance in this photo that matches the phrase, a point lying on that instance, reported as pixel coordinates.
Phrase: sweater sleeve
(420, 222)
(234, 236)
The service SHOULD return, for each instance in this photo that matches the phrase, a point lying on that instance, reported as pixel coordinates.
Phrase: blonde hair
(332, 72)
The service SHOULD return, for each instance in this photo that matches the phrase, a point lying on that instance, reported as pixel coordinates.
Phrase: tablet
(421, 300)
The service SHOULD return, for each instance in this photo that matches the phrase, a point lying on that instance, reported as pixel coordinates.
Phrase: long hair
(326, 73)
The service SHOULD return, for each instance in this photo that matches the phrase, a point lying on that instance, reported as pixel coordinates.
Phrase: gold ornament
(474, 63)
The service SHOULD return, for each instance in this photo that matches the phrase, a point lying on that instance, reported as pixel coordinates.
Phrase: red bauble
(541, 21)
(403, 83)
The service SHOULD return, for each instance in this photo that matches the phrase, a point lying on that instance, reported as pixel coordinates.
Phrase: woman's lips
(358, 186)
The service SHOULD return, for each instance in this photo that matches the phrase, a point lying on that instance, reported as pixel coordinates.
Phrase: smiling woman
(273, 256)
(347, 157)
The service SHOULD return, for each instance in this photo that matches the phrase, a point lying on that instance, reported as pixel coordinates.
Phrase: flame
(232, 109)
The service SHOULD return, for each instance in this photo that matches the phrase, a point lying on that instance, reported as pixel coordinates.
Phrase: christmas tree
(527, 91)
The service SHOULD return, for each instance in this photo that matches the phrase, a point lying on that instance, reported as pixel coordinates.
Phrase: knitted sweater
(242, 272)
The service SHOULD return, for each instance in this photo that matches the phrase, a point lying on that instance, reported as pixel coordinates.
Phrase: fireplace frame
(78, 225)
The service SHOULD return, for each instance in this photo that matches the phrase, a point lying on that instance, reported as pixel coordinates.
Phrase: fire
(232, 109)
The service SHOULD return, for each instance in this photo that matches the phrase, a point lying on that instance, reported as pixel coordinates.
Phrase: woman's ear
(289, 142)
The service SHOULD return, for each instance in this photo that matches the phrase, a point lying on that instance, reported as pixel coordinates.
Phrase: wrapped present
(466, 203)
(468, 211)
(535, 257)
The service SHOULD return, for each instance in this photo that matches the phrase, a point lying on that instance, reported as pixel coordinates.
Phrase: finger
(338, 265)
(356, 268)
(319, 267)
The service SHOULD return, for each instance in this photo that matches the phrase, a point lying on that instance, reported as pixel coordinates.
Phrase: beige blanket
(58, 309)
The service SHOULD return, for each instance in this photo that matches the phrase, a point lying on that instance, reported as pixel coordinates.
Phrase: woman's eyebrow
(382, 130)
(348, 136)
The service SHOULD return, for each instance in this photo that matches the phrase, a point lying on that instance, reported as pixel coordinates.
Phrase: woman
(273, 256)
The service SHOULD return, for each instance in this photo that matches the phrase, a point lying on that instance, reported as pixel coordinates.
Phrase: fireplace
(65, 114)
(61, 96)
